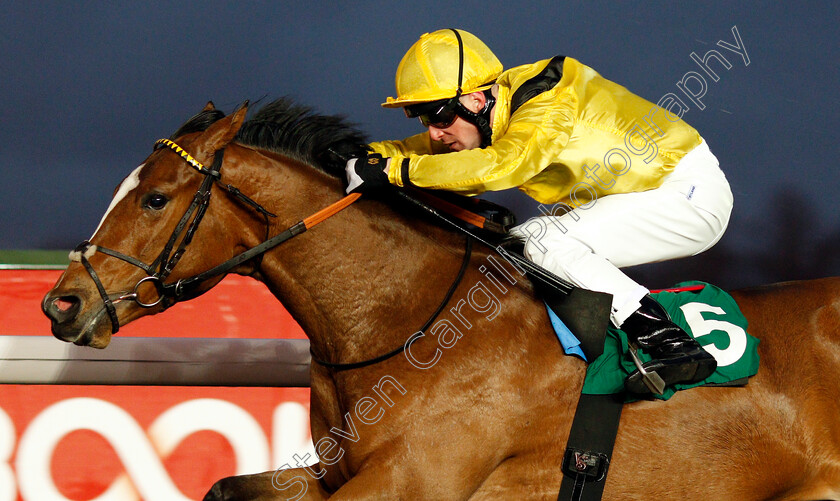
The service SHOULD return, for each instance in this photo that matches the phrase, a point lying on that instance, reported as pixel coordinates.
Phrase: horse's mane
(290, 129)
(296, 131)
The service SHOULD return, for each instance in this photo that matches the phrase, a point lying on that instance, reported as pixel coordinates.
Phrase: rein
(165, 263)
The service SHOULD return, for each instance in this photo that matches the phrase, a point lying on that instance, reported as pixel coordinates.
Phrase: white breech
(685, 216)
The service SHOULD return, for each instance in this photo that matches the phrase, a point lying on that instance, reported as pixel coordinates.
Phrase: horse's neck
(361, 282)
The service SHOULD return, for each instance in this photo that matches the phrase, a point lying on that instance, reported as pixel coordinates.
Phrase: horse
(476, 407)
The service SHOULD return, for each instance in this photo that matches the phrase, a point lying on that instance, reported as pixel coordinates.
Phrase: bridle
(169, 293)
(159, 270)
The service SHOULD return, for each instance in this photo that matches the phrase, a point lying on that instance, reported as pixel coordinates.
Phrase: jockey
(628, 182)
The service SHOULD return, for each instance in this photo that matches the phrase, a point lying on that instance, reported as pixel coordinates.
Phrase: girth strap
(590, 446)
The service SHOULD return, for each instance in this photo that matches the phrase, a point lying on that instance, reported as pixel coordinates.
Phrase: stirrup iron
(651, 379)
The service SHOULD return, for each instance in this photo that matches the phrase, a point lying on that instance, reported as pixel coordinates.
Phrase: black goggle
(440, 114)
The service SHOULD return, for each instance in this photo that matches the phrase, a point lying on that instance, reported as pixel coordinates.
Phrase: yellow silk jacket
(582, 138)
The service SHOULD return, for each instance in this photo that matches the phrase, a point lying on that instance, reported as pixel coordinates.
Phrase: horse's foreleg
(280, 485)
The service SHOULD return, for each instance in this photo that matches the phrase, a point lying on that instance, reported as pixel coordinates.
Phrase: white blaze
(131, 182)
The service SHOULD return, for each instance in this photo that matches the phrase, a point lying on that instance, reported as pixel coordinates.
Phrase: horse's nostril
(64, 304)
(63, 308)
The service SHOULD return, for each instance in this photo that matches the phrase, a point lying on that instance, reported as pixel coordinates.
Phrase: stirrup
(651, 379)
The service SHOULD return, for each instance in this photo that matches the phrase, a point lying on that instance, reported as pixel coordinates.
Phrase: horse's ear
(209, 106)
(218, 135)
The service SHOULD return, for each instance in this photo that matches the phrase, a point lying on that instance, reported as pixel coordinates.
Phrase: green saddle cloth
(708, 314)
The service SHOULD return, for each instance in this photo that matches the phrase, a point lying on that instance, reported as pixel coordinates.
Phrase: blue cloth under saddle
(571, 344)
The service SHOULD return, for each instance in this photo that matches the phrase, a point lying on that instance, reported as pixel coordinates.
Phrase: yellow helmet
(444, 64)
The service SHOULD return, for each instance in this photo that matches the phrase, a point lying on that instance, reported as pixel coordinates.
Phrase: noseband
(160, 269)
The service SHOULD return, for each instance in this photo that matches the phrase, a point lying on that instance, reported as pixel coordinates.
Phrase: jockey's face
(461, 135)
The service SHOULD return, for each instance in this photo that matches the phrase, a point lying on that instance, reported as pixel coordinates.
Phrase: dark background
(89, 86)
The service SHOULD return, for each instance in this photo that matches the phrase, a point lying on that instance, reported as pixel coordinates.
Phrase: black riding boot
(676, 356)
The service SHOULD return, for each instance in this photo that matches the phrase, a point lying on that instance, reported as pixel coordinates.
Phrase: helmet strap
(481, 119)
(460, 61)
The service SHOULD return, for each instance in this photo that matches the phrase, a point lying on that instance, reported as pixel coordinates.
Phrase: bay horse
(482, 406)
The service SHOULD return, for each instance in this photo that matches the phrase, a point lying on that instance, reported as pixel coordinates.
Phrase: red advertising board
(155, 443)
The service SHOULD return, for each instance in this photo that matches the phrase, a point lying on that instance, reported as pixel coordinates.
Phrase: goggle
(440, 114)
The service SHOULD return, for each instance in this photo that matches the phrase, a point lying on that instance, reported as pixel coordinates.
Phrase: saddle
(703, 310)
(581, 320)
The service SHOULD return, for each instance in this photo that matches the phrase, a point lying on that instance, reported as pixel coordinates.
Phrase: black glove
(335, 157)
(366, 174)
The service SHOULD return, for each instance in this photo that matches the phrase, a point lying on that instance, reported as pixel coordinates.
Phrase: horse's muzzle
(63, 312)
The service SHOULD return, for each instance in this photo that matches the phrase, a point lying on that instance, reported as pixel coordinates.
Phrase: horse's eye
(155, 201)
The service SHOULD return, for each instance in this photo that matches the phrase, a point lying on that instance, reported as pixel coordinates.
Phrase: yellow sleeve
(539, 130)
(419, 144)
